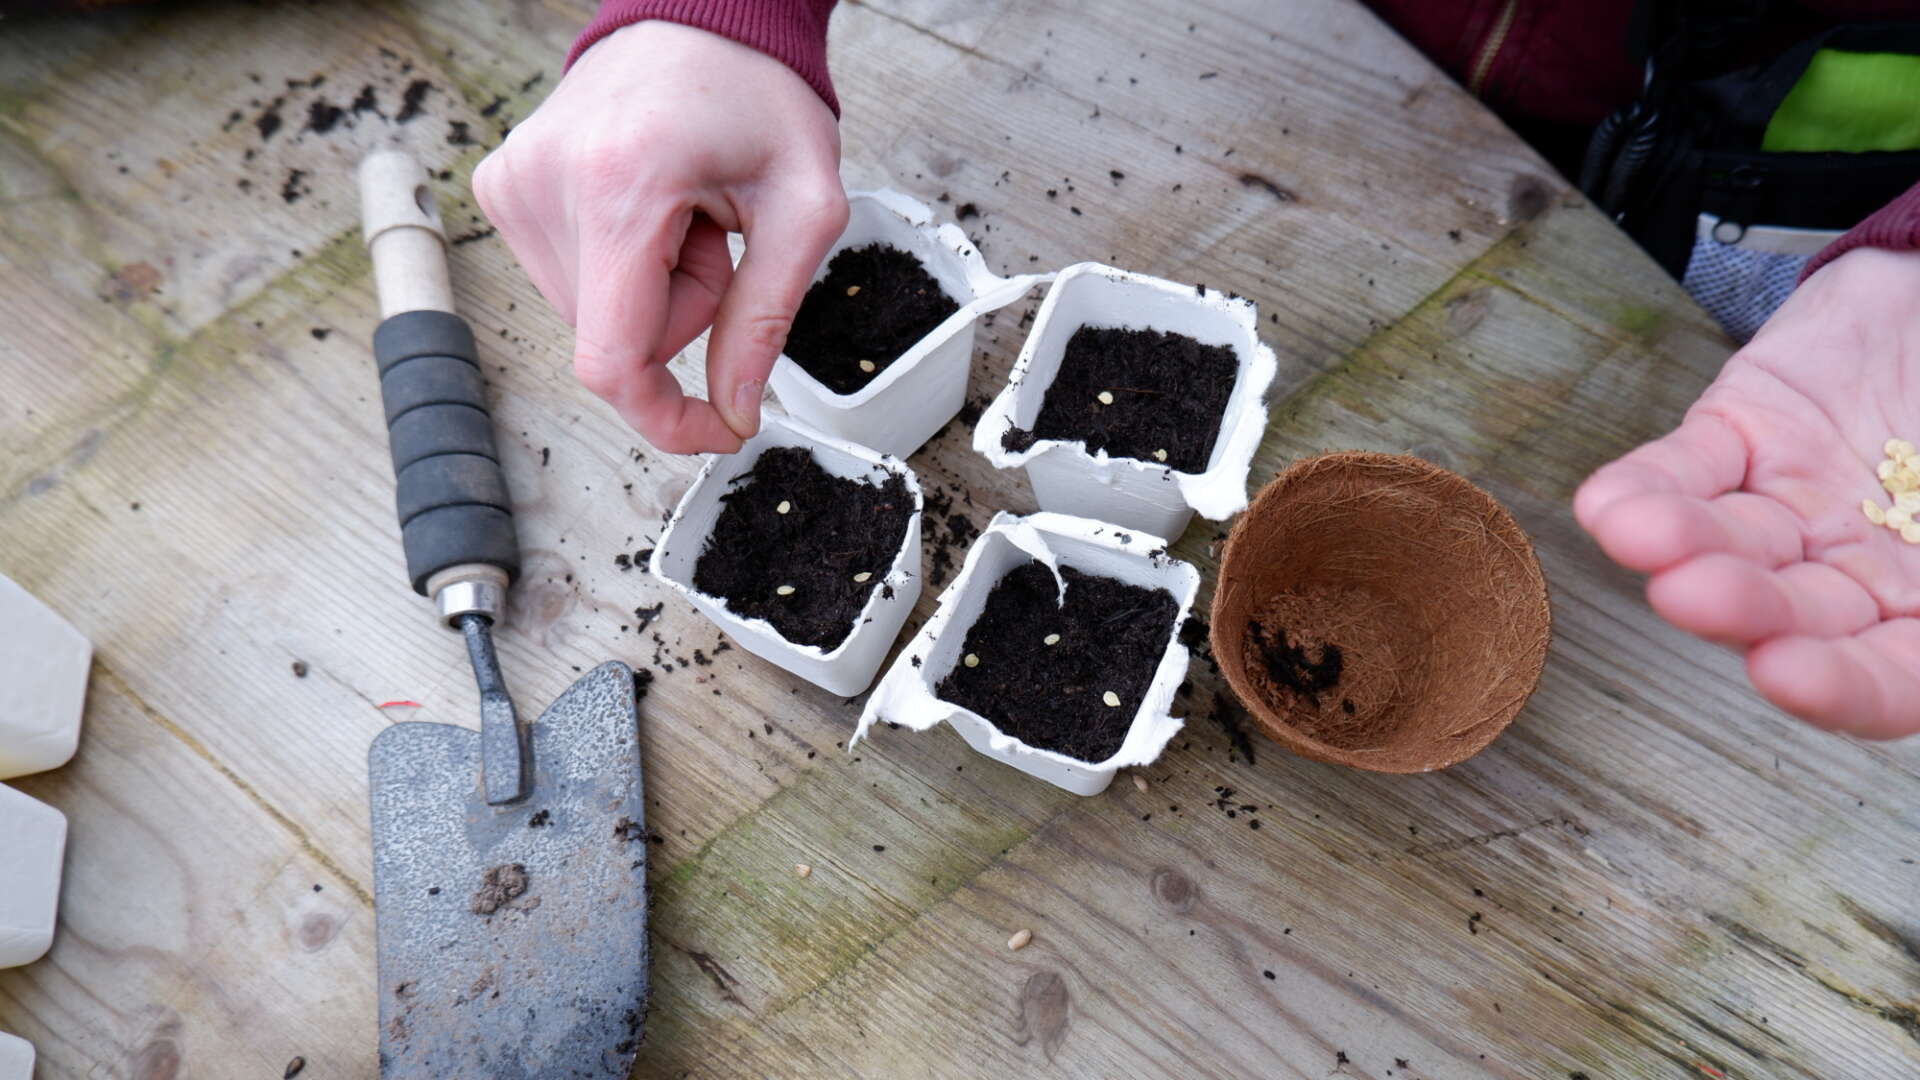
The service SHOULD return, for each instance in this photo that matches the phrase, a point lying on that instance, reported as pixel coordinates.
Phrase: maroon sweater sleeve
(793, 32)
(1895, 226)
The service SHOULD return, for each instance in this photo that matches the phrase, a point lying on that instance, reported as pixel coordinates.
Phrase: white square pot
(43, 683)
(922, 390)
(1126, 491)
(33, 839)
(16, 1058)
(850, 667)
(906, 696)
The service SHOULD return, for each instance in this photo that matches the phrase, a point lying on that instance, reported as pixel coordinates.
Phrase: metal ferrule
(469, 589)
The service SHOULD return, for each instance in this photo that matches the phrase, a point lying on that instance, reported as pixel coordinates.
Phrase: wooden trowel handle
(456, 520)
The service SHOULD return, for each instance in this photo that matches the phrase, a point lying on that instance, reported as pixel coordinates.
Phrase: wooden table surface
(1652, 874)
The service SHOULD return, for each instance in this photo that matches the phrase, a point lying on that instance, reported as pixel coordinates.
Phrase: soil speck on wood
(1051, 697)
(1168, 394)
(796, 569)
(412, 100)
(497, 886)
(871, 306)
(323, 116)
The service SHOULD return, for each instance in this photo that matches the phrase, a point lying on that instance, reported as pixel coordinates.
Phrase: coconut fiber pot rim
(1429, 590)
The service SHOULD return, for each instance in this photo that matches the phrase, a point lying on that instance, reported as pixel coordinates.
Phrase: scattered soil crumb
(497, 886)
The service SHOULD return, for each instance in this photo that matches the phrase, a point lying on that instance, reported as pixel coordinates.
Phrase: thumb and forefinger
(788, 235)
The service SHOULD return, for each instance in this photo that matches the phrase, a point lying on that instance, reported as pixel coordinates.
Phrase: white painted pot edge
(906, 695)
(16, 1058)
(1220, 491)
(850, 667)
(908, 402)
(33, 843)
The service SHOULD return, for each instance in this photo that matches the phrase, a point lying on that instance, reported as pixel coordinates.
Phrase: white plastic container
(1126, 491)
(33, 838)
(16, 1058)
(850, 667)
(43, 684)
(906, 696)
(922, 390)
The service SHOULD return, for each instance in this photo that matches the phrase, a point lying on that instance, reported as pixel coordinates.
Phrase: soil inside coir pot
(1135, 393)
(1054, 697)
(801, 548)
(1331, 661)
(874, 303)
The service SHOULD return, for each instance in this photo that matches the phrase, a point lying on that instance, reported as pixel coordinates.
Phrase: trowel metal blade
(513, 939)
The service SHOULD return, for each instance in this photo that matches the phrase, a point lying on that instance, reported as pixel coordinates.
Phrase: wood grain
(1651, 874)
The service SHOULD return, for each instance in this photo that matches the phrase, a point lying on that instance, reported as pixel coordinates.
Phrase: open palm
(1748, 515)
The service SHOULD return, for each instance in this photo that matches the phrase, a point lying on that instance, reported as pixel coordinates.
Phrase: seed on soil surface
(1106, 397)
(1140, 783)
(801, 869)
(868, 366)
(1873, 511)
(784, 507)
(1112, 699)
(1019, 939)
(972, 660)
(1159, 455)
(863, 575)
(853, 290)
(784, 590)
(1053, 639)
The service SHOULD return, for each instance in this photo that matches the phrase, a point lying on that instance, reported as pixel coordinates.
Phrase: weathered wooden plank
(199, 934)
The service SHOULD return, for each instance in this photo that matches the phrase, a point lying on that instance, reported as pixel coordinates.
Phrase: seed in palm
(1900, 475)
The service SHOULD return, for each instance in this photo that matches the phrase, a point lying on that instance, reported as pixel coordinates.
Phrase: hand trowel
(509, 863)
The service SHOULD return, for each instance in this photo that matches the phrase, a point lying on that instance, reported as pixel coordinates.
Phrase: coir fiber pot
(1381, 612)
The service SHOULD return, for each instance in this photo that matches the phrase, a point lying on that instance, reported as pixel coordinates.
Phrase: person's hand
(617, 195)
(1748, 516)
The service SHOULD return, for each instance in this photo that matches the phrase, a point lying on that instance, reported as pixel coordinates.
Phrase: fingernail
(746, 402)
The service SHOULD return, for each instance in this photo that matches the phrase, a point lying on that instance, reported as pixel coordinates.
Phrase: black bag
(1691, 145)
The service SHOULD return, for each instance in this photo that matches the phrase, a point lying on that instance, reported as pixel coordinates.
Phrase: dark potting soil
(1290, 665)
(1169, 394)
(1052, 697)
(833, 529)
(893, 303)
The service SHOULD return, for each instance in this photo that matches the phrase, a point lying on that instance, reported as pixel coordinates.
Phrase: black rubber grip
(450, 494)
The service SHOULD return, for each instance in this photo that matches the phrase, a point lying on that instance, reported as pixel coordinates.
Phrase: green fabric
(1852, 102)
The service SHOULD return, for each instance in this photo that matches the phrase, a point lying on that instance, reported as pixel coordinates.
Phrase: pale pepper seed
(1106, 397)
(1019, 940)
(972, 660)
(863, 575)
(867, 366)
(1052, 639)
(1112, 699)
(1900, 476)
(784, 590)
(801, 870)
(783, 507)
